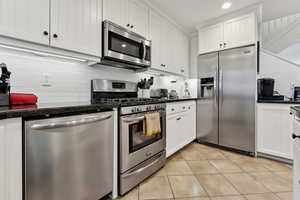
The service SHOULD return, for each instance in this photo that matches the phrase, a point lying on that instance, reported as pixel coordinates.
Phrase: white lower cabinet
(11, 159)
(274, 130)
(296, 188)
(181, 125)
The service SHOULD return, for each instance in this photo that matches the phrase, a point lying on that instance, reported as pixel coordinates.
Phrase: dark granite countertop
(279, 101)
(39, 110)
(176, 100)
(55, 109)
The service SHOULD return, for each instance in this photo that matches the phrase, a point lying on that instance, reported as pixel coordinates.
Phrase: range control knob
(133, 110)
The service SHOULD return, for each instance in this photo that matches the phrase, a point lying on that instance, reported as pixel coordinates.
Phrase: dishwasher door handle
(87, 120)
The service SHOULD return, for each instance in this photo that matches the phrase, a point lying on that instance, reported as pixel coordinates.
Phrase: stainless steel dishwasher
(69, 158)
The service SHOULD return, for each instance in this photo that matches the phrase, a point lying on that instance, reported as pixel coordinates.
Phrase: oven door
(123, 45)
(135, 147)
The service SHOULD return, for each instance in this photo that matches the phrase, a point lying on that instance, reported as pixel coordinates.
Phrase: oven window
(137, 138)
(120, 44)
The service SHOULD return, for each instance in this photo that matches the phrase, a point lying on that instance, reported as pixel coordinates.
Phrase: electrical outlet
(46, 80)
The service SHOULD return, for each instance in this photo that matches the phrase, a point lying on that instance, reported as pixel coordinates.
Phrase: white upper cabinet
(76, 25)
(156, 39)
(131, 14)
(25, 20)
(211, 38)
(160, 31)
(138, 15)
(240, 31)
(236, 32)
(183, 54)
(116, 11)
(193, 57)
(170, 46)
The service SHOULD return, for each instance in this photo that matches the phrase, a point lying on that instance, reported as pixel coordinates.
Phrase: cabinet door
(25, 20)
(156, 39)
(138, 15)
(173, 134)
(296, 176)
(167, 45)
(274, 129)
(191, 124)
(76, 25)
(211, 38)
(193, 71)
(240, 31)
(11, 159)
(116, 11)
(183, 54)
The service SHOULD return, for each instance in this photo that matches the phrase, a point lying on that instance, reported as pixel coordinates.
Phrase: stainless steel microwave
(124, 48)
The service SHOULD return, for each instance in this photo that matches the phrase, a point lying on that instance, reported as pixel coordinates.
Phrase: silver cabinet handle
(87, 120)
(133, 119)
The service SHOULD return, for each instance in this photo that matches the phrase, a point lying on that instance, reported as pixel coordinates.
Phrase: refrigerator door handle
(216, 94)
(221, 86)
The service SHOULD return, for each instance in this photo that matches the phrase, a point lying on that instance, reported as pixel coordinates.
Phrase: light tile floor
(200, 172)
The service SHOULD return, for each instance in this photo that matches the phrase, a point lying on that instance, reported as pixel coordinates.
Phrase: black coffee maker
(4, 85)
(265, 89)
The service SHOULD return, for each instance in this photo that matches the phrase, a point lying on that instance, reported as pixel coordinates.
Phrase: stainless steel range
(139, 155)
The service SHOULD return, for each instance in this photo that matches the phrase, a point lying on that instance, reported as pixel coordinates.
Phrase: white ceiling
(190, 13)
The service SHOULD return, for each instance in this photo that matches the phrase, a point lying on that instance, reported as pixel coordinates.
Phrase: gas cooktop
(127, 101)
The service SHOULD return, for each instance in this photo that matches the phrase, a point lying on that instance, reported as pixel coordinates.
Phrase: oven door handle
(142, 169)
(133, 119)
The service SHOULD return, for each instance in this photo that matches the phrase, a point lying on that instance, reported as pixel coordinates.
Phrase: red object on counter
(22, 99)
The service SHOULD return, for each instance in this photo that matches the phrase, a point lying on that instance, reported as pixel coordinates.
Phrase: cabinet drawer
(178, 107)
(173, 108)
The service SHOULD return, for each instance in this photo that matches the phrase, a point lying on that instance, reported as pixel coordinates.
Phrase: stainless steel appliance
(159, 93)
(69, 157)
(139, 156)
(227, 95)
(265, 90)
(297, 93)
(125, 49)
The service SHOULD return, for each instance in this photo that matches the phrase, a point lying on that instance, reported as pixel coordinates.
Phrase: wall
(70, 81)
(285, 74)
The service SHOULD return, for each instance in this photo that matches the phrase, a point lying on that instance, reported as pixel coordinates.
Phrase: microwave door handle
(142, 50)
(145, 50)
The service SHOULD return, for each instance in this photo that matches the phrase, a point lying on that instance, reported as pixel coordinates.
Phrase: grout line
(167, 176)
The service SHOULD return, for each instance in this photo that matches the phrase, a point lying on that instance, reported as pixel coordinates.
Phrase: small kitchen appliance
(125, 49)
(139, 155)
(159, 93)
(265, 89)
(4, 85)
(297, 93)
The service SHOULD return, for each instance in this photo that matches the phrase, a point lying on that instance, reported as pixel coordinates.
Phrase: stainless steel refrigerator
(226, 98)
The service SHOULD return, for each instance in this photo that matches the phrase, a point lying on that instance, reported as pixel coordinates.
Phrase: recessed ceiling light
(226, 5)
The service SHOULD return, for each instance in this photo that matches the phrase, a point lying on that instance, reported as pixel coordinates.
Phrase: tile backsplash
(71, 81)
